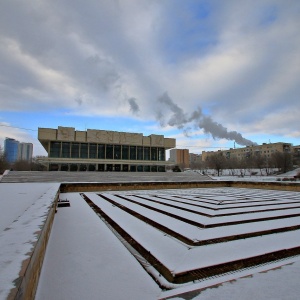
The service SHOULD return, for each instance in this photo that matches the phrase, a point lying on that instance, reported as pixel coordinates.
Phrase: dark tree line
(20, 165)
(218, 162)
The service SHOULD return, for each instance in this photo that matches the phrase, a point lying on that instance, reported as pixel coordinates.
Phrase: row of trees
(20, 165)
(280, 161)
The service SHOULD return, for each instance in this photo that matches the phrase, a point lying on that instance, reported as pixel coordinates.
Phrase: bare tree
(37, 166)
(232, 165)
(217, 162)
(282, 161)
(22, 165)
(259, 162)
(242, 166)
(4, 165)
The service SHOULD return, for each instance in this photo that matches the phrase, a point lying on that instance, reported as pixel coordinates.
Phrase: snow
(197, 234)
(178, 258)
(278, 281)
(24, 208)
(84, 260)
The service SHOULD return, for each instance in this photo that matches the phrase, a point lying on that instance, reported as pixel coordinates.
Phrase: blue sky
(208, 73)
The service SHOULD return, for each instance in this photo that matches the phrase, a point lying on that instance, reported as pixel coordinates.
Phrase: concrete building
(101, 150)
(195, 159)
(265, 150)
(11, 149)
(25, 152)
(180, 157)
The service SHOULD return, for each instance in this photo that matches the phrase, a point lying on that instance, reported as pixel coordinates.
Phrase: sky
(212, 74)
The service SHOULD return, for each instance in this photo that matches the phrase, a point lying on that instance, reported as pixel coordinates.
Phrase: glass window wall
(101, 151)
(55, 149)
(133, 152)
(84, 150)
(146, 153)
(65, 150)
(109, 151)
(161, 154)
(117, 152)
(75, 150)
(125, 152)
(153, 153)
(93, 151)
(140, 155)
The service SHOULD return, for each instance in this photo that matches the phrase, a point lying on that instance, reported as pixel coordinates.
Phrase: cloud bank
(235, 61)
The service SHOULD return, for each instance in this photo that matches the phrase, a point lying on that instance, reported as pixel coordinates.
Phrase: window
(101, 151)
(82, 167)
(146, 153)
(154, 153)
(92, 167)
(125, 152)
(140, 153)
(93, 151)
(161, 169)
(117, 152)
(153, 168)
(84, 150)
(75, 150)
(132, 168)
(109, 151)
(161, 154)
(54, 149)
(133, 152)
(65, 150)
(73, 167)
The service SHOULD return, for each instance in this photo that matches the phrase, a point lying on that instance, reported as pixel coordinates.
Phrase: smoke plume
(180, 119)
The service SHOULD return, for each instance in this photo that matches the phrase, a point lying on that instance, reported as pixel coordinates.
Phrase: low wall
(94, 187)
(27, 282)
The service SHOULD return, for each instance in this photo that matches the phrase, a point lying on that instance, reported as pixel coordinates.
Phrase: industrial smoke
(180, 119)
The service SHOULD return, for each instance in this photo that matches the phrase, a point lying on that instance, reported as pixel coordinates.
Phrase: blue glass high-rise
(11, 147)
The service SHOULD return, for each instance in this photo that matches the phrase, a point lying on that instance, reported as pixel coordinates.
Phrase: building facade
(11, 150)
(265, 150)
(195, 160)
(14, 150)
(180, 157)
(25, 152)
(101, 150)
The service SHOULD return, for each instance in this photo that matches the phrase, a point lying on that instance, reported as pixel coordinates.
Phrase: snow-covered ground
(247, 175)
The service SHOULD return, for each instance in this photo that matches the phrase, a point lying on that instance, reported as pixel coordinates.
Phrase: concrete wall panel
(65, 133)
(80, 136)
(47, 134)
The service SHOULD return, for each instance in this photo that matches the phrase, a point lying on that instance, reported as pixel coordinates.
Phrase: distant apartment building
(265, 150)
(14, 150)
(195, 159)
(103, 150)
(180, 157)
(296, 153)
(25, 151)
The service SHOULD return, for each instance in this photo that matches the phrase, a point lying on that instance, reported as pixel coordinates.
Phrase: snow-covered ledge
(25, 231)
